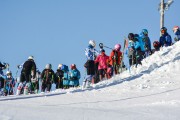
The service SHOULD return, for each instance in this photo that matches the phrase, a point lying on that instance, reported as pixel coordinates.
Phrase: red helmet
(156, 44)
(73, 66)
(117, 47)
(175, 28)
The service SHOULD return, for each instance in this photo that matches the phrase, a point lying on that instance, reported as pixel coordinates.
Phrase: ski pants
(25, 77)
(46, 86)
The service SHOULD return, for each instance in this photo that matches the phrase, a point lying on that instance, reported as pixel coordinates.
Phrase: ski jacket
(74, 74)
(141, 43)
(177, 33)
(102, 60)
(28, 67)
(147, 42)
(165, 40)
(1, 69)
(47, 76)
(115, 57)
(59, 75)
(91, 53)
(9, 82)
(90, 67)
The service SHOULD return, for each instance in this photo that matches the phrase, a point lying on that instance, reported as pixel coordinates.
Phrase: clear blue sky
(58, 31)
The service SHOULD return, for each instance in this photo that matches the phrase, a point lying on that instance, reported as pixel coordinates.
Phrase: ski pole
(101, 46)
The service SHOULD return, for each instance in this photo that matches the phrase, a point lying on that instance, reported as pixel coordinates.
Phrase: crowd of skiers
(99, 65)
(30, 78)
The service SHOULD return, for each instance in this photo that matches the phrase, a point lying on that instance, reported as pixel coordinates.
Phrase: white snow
(149, 92)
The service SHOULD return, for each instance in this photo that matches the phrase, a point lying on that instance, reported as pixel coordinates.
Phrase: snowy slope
(151, 91)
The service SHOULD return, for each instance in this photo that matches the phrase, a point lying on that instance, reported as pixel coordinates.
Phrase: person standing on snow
(130, 51)
(28, 71)
(90, 53)
(147, 42)
(176, 31)
(2, 67)
(47, 77)
(59, 77)
(74, 76)
(102, 59)
(165, 39)
(115, 58)
(9, 83)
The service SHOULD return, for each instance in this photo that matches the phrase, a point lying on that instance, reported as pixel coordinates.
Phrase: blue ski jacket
(140, 44)
(165, 40)
(147, 42)
(91, 53)
(177, 33)
(9, 82)
(74, 76)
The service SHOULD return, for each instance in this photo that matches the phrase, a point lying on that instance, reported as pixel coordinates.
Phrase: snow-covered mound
(150, 91)
(159, 71)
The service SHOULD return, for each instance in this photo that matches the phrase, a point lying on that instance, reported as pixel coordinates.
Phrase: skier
(34, 88)
(156, 46)
(59, 77)
(115, 58)
(66, 81)
(102, 59)
(91, 54)
(74, 76)
(176, 31)
(47, 77)
(130, 50)
(165, 39)
(147, 43)
(135, 49)
(2, 67)
(28, 68)
(9, 83)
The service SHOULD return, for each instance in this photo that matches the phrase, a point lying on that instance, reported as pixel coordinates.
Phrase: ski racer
(176, 31)
(28, 69)
(34, 88)
(9, 84)
(165, 39)
(156, 46)
(147, 43)
(2, 67)
(66, 80)
(102, 59)
(90, 53)
(47, 77)
(115, 58)
(59, 77)
(74, 76)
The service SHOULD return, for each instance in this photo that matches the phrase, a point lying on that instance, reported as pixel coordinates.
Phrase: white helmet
(30, 58)
(92, 42)
(48, 66)
(59, 66)
(8, 72)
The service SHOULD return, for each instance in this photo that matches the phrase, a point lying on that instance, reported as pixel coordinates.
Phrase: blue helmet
(145, 31)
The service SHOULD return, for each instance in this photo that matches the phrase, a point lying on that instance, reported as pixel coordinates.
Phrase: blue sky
(58, 31)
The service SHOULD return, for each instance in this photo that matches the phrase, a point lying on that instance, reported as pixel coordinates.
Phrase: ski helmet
(59, 66)
(117, 47)
(156, 44)
(73, 66)
(30, 58)
(163, 30)
(8, 73)
(175, 28)
(130, 36)
(93, 43)
(48, 66)
(145, 31)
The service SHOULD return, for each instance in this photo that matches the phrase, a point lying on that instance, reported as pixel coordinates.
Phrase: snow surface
(149, 92)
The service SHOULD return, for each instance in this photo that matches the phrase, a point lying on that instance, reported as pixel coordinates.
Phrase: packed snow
(148, 92)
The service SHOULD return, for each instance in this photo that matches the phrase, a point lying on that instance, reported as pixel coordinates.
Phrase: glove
(176, 39)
